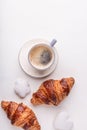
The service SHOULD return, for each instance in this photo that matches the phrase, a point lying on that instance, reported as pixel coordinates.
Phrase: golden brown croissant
(20, 115)
(52, 91)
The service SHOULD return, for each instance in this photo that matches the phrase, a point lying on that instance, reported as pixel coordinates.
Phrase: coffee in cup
(41, 56)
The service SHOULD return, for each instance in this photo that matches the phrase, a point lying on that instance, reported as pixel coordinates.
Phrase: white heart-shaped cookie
(22, 87)
(63, 121)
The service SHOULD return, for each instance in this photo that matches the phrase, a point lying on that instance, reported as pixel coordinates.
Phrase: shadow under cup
(41, 56)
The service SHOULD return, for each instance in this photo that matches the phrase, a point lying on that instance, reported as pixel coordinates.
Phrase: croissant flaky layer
(52, 92)
(20, 115)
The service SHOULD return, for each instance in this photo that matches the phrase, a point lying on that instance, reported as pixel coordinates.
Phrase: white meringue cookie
(22, 87)
(63, 121)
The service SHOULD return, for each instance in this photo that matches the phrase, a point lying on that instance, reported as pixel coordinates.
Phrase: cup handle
(53, 42)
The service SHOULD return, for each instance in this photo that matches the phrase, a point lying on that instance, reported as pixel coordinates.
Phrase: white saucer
(25, 65)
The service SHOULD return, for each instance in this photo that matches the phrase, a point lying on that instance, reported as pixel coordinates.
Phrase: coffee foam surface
(40, 56)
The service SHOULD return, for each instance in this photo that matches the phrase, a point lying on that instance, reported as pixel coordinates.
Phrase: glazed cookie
(22, 88)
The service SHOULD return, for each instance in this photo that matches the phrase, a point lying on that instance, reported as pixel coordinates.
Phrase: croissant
(52, 92)
(20, 115)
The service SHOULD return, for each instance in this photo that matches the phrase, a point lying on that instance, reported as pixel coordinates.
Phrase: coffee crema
(40, 56)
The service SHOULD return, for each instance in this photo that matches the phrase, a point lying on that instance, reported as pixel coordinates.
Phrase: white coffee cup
(41, 56)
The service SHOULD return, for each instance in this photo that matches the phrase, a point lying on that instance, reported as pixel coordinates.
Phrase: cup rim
(51, 62)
